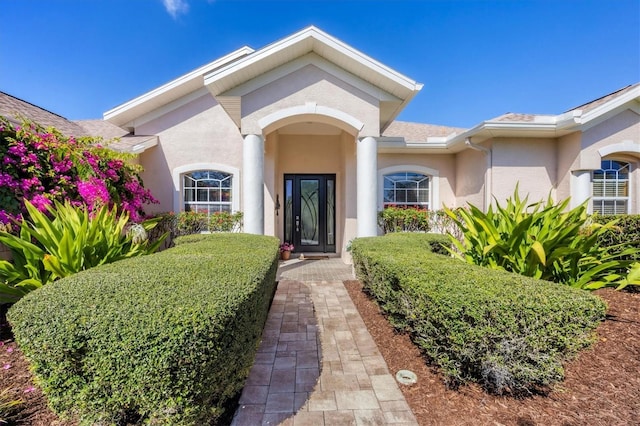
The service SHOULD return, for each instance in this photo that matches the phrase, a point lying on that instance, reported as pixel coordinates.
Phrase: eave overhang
(125, 114)
(221, 82)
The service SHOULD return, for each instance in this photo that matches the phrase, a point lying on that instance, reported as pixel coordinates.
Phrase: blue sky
(476, 59)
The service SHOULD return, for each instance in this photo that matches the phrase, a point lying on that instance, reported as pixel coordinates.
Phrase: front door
(310, 213)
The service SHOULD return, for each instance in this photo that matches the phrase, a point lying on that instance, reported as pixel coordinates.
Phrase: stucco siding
(310, 84)
(199, 132)
(444, 164)
(624, 126)
(568, 151)
(530, 163)
(470, 169)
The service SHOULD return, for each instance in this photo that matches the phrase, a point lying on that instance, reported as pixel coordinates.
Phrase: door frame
(292, 231)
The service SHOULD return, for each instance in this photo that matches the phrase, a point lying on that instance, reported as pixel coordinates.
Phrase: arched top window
(611, 188)
(406, 189)
(207, 191)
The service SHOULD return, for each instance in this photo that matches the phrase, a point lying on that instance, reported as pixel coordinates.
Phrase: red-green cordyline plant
(541, 240)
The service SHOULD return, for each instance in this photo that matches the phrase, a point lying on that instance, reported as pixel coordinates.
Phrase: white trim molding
(177, 173)
(434, 189)
(308, 111)
(625, 147)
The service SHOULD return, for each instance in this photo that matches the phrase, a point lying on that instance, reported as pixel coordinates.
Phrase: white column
(253, 184)
(580, 187)
(367, 188)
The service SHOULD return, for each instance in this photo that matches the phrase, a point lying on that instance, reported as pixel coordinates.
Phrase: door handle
(297, 223)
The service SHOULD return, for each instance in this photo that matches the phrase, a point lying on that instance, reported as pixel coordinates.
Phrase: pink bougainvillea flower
(9, 349)
(41, 202)
(6, 366)
(29, 389)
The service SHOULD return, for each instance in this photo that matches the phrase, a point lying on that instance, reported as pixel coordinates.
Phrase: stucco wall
(568, 151)
(444, 164)
(310, 84)
(529, 162)
(470, 168)
(199, 132)
(624, 126)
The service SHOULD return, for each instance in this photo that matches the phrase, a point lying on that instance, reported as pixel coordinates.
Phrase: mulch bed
(602, 385)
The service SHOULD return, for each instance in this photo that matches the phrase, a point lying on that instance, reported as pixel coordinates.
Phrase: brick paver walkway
(317, 364)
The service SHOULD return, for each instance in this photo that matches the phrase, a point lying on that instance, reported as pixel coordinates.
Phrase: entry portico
(310, 93)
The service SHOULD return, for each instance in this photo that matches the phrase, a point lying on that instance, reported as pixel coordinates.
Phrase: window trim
(628, 198)
(178, 172)
(434, 184)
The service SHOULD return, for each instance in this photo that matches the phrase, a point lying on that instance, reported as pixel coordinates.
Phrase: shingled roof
(418, 132)
(16, 109)
(606, 98)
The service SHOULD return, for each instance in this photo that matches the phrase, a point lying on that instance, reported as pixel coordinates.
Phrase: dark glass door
(309, 212)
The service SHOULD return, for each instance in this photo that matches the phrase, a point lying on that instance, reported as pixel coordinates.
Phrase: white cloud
(176, 7)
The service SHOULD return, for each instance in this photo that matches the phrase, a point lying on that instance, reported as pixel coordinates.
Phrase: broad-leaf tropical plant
(67, 240)
(541, 240)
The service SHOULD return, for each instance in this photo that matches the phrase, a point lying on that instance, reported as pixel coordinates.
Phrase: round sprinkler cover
(406, 377)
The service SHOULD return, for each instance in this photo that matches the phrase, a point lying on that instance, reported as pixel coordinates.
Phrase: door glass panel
(331, 212)
(288, 211)
(309, 212)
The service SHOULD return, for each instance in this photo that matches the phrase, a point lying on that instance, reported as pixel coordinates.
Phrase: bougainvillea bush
(42, 166)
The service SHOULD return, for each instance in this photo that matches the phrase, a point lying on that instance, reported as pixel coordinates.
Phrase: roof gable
(311, 45)
(240, 67)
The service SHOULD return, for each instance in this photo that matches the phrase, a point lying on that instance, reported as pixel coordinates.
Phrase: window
(611, 188)
(406, 189)
(207, 191)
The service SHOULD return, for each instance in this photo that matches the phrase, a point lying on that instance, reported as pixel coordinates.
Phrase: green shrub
(403, 219)
(625, 233)
(72, 240)
(540, 240)
(161, 339)
(508, 332)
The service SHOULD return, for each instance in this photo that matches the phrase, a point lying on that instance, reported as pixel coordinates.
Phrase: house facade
(301, 137)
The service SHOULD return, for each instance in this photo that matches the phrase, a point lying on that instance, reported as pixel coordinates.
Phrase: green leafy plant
(403, 219)
(191, 222)
(540, 240)
(165, 339)
(71, 240)
(225, 222)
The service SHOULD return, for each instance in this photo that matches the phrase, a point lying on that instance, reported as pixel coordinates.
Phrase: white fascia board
(612, 105)
(143, 146)
(365, 60)
(215, 79)
(569, 119)
(191, 77)
(319, 62)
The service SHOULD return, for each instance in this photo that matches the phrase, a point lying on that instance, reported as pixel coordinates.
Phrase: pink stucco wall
(530, 163)
(310, 84)
(198, 132)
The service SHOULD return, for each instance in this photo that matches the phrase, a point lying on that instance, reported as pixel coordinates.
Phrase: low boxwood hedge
(162, 339)
(508, 332)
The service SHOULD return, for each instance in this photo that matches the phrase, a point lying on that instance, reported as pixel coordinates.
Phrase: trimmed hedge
(508, 332)
(162, 339)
